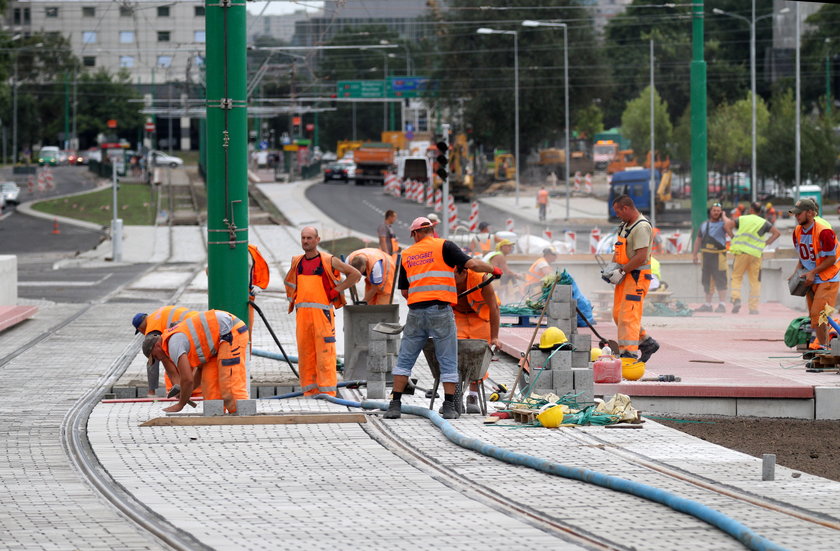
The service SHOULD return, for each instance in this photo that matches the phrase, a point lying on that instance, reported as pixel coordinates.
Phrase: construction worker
(387, 240)
(314, 289)
(159, 321)
(476, 317)
(427, 281)
(377, 268)
(207, 349)
(258, 278)
(738, 211)
(632, 277)
(482, 242)
(540, 269)
(542, 202)
(497, 260)
(746, 246)
(770, 213)
(816, 243)
(711, 241)
(435, 219)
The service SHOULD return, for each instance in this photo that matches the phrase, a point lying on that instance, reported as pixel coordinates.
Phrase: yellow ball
(632, 369)
(594, 354)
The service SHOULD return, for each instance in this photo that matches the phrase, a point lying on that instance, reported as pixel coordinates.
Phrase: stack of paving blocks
(381, 359)
(564, 371)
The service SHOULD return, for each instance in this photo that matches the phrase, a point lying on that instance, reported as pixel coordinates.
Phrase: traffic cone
(55, 231)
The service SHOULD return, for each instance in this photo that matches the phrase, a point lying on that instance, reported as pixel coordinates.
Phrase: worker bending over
(816, 243)
(377, 268)
(476, 317)
(159, 321)
(632, 254)
(427, 280)
(207, 349)
(315, 289)
(540, 269)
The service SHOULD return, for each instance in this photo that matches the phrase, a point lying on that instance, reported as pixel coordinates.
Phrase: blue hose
(300, 392)
(273, 355)
(715, 518)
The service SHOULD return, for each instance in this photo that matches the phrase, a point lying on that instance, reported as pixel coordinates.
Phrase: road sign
(361, 89)
(150, 126)
(407, 87)
(112, 123)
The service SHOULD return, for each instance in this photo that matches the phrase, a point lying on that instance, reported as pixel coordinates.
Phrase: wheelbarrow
(474, 357)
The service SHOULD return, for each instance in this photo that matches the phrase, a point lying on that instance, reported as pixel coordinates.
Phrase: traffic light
(442, 160)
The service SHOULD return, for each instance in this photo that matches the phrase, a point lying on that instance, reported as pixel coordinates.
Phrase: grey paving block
(265, 391)
(213, 408)
(561, 359)
(376, 390)
(584, 384)
(246, 407)
(582, 341)
(580, 358)
(125, 392)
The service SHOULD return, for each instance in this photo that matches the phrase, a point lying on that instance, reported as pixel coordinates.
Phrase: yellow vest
(747, 240)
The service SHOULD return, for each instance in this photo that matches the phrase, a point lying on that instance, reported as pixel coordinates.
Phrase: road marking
(62, 283)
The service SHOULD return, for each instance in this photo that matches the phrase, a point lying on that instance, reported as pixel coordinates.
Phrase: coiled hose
(702, 512)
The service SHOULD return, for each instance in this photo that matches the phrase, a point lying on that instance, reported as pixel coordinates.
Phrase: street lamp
(485, 30)
(529, 23)
(751, 22)
(14, 96)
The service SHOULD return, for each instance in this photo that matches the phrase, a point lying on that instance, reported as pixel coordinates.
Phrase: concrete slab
(827, 402)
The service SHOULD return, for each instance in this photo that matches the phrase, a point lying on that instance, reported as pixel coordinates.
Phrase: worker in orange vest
(540, 269)
(542, 202)
(476, 317)
(258, 278)
(315, 289)
(207, 349)
(377, 268)
(482, 242)
(427, 281)
(159, 321)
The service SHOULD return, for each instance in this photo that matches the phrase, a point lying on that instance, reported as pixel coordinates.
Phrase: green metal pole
(227, 156)
(699, 173)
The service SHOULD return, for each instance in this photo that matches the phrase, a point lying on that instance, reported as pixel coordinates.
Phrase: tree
(635, 124)
(103, 96)
(819, 42)
(588, 121)
(730, 133)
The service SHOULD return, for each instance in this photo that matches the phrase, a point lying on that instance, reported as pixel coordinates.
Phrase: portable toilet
(812, 192)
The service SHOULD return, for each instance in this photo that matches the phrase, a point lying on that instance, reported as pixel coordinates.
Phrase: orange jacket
(202, 331)
(163, 318)
(429, 277)
(476, 298)
(331, 278)
(534, 275)
(260, 273)
(373, 256)
(811, 256)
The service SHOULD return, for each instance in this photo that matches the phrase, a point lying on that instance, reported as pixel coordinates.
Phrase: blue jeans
(439, 324)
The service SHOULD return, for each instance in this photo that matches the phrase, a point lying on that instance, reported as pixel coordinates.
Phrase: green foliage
(730, 132)
(103, 96)
(820, 41)
(588, 120)
(635, 124)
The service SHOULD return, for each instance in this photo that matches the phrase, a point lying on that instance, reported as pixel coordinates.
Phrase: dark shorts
(714, 268)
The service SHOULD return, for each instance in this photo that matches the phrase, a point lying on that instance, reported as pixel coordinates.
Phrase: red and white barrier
(509, 224)
(30, 184)
(587, 183)
(390, 182)
(548, 234)
(474, 216)
(453, 213)
(577, 181)
(594, 240)
(673, 245)
(41, 182)
(571, 241)
(430, 195)
(438, 201)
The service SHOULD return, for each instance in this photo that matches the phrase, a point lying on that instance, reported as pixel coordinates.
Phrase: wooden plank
(291, 419)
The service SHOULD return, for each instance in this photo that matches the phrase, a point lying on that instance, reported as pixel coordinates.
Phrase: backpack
(798, 332)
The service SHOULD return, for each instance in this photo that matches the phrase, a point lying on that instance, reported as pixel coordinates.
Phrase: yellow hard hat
(502, 243)
(594, 354)
(632, 369)
(769, 205)
(552, 336)
(552, 416)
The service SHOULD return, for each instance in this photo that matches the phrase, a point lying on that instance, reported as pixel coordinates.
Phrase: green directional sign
(361, 89)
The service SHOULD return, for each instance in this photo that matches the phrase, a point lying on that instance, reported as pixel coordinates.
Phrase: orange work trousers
(224, 377)
(628, 303)
(316, 351)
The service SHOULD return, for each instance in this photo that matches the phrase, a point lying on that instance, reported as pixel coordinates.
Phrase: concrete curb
(26, 208)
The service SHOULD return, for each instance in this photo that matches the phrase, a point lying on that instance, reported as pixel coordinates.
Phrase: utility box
(357, 321)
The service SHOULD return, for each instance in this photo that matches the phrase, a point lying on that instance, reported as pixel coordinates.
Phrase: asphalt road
(39, 248)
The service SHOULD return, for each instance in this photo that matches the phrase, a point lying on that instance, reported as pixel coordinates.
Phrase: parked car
(159, 158)
(10, 192)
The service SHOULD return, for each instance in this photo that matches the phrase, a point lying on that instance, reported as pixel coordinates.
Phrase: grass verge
(135, 204)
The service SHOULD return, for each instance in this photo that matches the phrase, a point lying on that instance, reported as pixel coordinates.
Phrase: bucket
(474, 357)
(607, 370)
(551, 417)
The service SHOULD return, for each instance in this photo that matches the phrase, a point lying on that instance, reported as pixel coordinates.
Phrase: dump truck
(603, 153)
(553, 160)
(346, 146)
(635, 182)
(373, 162)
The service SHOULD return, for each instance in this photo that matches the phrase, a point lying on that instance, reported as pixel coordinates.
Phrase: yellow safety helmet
(595, 353)
(502, 243)
(632, 369)
(552, 336)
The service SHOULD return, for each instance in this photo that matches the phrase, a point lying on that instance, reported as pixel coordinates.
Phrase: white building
(155, 41)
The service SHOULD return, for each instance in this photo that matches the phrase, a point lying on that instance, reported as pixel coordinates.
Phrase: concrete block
(376, 390)
(561, 360)
(580, 358)
(287, 389)
(124, 392)
(685, 406)
(377, 350)
(562, 293)
(584, 384)
(560, 310)
(213, 408)
(562, 382)
(582, 341)
(800, 408)
(357, 322)
(8, 280)
(264, 391)
(827, 402)
(835, 347)
(537, 359)
(564, 325)
(160, 392)
(246, 407)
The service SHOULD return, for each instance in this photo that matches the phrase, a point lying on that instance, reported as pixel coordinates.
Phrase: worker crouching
(207, 349)
(377, 267)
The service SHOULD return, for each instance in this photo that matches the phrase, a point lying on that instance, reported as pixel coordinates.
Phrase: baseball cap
(149, 343)
(434, 218)
(137, 320)
(802, 205)
(421, 222)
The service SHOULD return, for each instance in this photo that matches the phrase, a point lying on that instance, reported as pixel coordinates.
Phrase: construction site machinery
(396, 138)
(346, 146)
(373, 162)
(461, 180)
(603, 153)
(414, 168)
(635, 182)
(553, 160)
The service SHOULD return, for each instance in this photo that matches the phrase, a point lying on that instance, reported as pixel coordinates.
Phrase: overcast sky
(284, 6)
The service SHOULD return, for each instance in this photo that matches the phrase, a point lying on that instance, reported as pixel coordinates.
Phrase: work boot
(449, 411)
(721, 309)
(472, 404)
(704, 308)
(736, 306)
(394, 410)
(627, 354)
(647, 347)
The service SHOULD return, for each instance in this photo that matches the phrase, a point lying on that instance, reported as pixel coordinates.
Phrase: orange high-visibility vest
(203, 333)
(429, 277)
(534, 275)
(809, 256)
(260, 274)
(476, 298)
(622, 255)
(163, 318)
(332, 278)
(372, 256)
